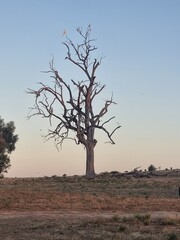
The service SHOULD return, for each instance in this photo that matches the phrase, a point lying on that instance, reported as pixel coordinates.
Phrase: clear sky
(140, 40)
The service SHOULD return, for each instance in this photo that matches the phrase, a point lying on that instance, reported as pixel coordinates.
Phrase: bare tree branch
(73, 111)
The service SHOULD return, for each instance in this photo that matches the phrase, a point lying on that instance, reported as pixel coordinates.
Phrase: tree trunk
(90, 160)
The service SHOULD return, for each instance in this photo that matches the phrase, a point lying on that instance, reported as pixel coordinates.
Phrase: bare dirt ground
(111, 206)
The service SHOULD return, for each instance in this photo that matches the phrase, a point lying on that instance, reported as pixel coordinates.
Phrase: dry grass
(79, 193)
(78, 208)
(141, 226)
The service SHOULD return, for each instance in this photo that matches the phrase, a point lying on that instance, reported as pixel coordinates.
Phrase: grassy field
(110, 206)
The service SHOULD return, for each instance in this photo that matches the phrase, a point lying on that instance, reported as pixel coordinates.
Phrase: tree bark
(90, 172)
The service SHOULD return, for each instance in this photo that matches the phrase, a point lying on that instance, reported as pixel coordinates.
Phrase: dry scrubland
(110, 206)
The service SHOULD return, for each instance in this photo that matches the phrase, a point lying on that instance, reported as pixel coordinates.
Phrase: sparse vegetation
(62, 226)
(172, 236)
(144, 218)
(121, 228)
(106, 207)
(168, 221)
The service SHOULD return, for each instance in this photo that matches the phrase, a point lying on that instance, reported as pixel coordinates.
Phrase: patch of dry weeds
(94, 198)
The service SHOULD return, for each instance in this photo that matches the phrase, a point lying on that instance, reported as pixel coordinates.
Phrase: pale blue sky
(140, 41)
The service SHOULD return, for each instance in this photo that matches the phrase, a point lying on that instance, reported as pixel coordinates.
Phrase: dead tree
(71, 106)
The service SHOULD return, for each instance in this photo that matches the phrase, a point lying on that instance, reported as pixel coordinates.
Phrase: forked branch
(70, 106)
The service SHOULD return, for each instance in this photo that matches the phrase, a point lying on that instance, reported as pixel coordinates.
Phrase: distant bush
(151, 168)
